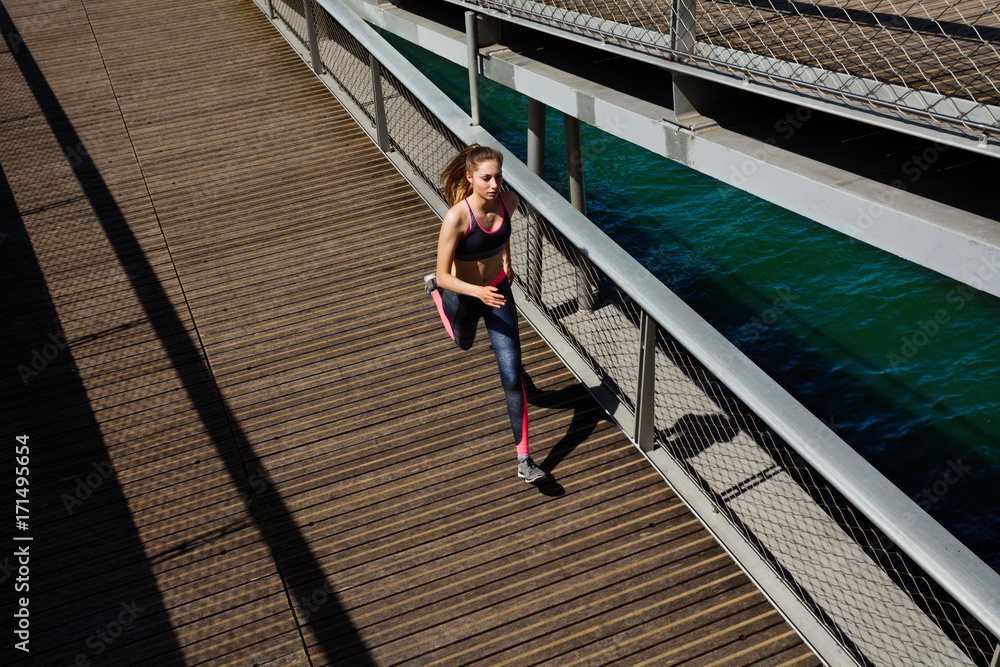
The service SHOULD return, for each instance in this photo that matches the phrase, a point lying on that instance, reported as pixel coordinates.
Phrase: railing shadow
(335, 634)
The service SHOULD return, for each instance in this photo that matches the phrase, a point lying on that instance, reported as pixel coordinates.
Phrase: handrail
(971, 582)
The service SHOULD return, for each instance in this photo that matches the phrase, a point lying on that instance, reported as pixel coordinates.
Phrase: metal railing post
(536, 163)
(693, 96)
(472, 48)
(381, 126)
(574, 170)
(536, 136)
(533, 281)
(646, 385)
(317, 64)
(682, 26)
(574, 163)
(270, 10)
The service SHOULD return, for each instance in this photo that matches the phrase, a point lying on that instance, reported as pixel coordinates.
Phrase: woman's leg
(501, 324)
(460, 319)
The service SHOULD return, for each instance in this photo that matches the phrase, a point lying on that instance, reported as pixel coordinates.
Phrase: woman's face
(486, 179)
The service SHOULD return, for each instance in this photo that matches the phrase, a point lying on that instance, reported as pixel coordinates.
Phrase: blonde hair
(456, 185)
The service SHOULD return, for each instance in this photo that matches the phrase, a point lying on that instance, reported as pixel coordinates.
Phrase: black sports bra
(478, 244)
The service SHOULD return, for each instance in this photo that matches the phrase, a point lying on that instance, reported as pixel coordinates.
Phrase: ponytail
(456, 186)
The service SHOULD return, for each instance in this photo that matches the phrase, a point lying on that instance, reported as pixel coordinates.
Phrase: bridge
(243, 447)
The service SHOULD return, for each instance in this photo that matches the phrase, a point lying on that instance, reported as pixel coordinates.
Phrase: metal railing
(858, 568)
(935, 61)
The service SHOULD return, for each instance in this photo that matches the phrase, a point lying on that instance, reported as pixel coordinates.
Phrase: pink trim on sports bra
(472, 216)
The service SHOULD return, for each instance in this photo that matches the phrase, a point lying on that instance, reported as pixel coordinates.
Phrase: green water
(900, 361)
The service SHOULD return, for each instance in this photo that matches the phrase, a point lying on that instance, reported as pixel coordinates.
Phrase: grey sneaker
(531, 473)
(430, 282)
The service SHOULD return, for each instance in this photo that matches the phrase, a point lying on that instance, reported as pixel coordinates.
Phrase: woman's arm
(453, 227)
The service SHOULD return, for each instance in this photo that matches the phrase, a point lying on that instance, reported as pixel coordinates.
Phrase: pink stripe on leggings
(522, 447)
(436, 295)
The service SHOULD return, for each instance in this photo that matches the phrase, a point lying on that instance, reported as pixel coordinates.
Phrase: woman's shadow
(586, 415)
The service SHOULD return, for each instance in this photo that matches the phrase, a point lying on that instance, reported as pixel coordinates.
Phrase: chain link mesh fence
(580, 301)
(880, 606)
(292, 13)
(865, 590)
(641, 24)
(416, 134)
(939, 59)
(345, 60)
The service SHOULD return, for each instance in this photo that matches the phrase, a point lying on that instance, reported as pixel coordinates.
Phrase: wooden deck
(251, 441)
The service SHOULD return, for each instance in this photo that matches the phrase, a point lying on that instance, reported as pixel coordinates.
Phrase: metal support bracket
(693, 99)
(488, 31)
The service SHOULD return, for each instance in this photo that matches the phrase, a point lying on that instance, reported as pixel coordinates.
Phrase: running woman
(472, 280)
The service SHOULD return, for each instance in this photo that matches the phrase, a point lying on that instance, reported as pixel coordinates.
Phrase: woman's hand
(491, 296)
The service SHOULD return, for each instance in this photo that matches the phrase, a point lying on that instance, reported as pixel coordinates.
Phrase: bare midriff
(479, 272)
